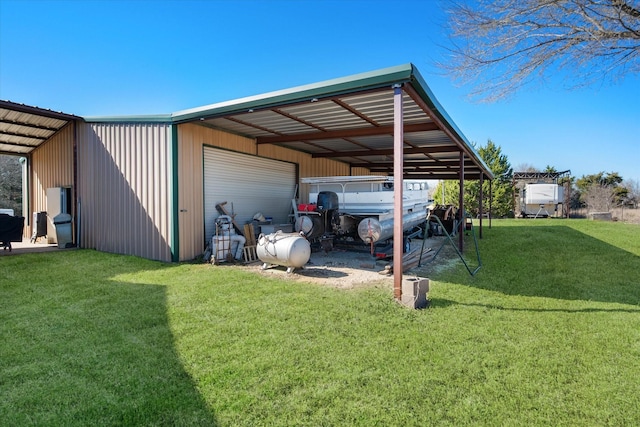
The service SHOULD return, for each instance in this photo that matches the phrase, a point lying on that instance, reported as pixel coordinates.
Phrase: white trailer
(540, 200)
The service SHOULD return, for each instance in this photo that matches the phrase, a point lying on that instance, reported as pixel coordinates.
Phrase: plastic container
(64, 232)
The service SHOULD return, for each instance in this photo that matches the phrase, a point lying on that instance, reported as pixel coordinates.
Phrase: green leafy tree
(502, 186)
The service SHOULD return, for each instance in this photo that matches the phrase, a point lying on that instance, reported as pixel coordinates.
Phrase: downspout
(76, 202)
(174, 210)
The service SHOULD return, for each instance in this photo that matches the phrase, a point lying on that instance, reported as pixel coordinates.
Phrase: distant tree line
(11, 183)
(599, 192)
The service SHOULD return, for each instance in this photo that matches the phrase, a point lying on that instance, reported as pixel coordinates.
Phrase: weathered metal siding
(51, 166)
(125, 188)
(191, 139)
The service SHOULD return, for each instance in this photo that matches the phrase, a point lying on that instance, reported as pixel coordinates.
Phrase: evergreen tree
(502, 186)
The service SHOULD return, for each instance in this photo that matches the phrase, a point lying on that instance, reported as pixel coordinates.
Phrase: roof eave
(157, 118)
(420, 85)
(364, 81)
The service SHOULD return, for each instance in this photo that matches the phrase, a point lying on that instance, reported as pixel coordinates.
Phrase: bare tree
(526, 167)
(599, 197)
(500, 45)
(10, 183)
(633, 192)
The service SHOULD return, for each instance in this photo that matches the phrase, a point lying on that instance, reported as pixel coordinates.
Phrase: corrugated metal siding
(190, 193)
(191, 139)
(124, 187)
(51, 166)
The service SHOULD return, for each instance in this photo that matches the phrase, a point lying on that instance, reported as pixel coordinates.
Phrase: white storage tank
(290, 250)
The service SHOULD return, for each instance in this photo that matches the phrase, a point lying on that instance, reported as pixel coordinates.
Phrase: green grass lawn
(547, 333)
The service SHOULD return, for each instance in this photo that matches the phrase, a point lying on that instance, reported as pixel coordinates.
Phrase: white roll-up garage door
(249, 184)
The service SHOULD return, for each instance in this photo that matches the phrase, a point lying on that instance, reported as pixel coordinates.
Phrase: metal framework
(548, 177)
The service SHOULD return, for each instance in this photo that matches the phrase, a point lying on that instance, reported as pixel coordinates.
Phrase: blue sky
(93, 58)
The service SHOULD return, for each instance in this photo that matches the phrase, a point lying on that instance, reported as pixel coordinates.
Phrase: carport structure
(387, 121)
(24, 128)
(25, 131)
(138, 180)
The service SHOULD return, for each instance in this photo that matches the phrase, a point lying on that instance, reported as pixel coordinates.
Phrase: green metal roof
(155, 118)
(328, 88)
(348, 119)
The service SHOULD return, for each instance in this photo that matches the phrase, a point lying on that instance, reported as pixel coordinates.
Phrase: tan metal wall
(51, 165)
(190, 193)
(125, 187)
(191, 139)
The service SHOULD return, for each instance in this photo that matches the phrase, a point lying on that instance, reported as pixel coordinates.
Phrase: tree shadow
(444, 303)
(553, 261)
(83, 348)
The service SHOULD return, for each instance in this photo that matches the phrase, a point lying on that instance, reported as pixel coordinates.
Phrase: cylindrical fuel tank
(310, 225)
(372, 230)
(286, 249)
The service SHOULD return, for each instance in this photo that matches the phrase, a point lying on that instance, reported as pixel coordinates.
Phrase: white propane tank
(287, 249)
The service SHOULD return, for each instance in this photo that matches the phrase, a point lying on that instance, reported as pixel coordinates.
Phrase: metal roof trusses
(357, 129)
(24, 128)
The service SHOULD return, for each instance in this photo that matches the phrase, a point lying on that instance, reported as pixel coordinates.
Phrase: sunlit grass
(547, 333)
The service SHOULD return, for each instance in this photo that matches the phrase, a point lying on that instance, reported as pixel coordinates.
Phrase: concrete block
(414, 292)
(600, 216)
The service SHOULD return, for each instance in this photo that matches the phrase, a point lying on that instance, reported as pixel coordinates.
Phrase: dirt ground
(349, 269)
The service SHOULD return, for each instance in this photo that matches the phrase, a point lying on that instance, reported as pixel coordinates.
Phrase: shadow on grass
(82, 349)
(443, 303)
(555, 261)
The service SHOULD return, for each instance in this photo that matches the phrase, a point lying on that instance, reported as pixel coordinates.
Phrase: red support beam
(461, 203)
(481, 207)
(398, 157)
(346, 133)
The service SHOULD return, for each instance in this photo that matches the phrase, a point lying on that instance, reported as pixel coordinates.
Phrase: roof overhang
(24, 128)
(351, 120)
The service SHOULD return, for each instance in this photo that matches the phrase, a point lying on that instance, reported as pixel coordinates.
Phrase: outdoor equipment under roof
(24, 128)
(351, 120)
